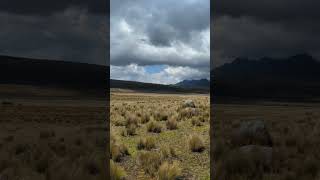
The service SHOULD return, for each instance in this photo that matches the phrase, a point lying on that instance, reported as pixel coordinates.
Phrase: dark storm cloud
(264, 28)
(268, 10)
(58, 30)
(47, 7)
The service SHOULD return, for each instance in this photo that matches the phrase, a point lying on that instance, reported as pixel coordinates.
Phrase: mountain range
(292, 77)
(195, 84)
(156, 88)
(88, 78)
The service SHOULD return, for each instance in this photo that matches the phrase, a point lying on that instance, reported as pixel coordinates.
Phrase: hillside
(51, 73)
(199, 84)
(150, 87)
(291, 78)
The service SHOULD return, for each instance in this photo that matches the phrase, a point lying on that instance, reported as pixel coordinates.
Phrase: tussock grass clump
(172, 123)
(147, 143)
(160, 116)
(118, 151)
(196, 143)
(188, 113)
(167, 152)
(150, 162)
(169, 171)
(154, 127)
(145, 118)
(116, 172)
(131, 130)
(196, 121)
(238, 164)
(131, 120)
(119, 121)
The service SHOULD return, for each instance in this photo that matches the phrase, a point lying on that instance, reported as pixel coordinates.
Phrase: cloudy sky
(160, 41)
(70, 30)
(261, 28)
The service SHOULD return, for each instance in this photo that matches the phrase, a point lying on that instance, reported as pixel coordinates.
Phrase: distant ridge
(150, 87)
(293, 77)
(199, 84)
(53, 73)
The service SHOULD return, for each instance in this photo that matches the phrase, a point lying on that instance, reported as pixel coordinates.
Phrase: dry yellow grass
(162, 134)
(43, 140)
(294, 129)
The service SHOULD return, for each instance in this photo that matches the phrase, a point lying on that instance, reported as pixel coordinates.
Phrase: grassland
(157, 136)
(52, 138)
(294, 129)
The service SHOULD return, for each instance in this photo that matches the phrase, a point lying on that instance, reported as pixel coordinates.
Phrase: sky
(68, 30)
(264, 28)
(159, 41)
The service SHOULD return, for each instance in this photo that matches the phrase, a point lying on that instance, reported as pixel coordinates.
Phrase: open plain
(159, 136)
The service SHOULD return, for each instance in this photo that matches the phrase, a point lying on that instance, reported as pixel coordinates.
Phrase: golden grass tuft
(196, 143)
(196, 121)
(172, 123)
(147, 143)
(154, 127)
(150, 162)
(131, 120)
(116, 172)
(118, 151)
(169, 171)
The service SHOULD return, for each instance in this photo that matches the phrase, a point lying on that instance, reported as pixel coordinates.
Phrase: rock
(252, 133)
(194, 112)
(188, 103)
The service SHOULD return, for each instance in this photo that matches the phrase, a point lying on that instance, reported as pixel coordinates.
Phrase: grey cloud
(161, 24)
(43, 7)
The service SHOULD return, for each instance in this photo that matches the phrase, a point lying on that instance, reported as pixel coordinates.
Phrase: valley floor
(154, 129)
